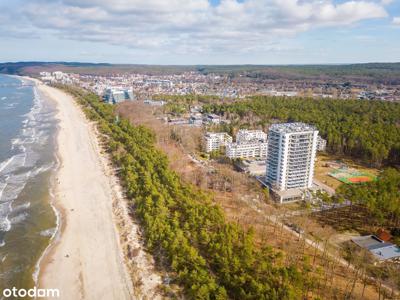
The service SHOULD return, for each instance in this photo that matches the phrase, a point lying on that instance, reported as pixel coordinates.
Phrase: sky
(201, 31)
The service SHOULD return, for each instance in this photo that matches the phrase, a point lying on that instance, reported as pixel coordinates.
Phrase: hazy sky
(200, 31)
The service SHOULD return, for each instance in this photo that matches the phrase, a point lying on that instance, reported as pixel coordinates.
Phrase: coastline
(97, 246)
(83, 259)
(52, 184)
(28, 163)
(58, 212)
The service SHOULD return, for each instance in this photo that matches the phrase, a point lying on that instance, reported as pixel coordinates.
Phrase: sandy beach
(87, 257)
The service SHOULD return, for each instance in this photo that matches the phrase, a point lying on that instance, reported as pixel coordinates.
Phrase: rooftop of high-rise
(292, 127)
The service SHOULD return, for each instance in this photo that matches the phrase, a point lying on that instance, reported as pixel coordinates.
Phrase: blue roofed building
(380, 249)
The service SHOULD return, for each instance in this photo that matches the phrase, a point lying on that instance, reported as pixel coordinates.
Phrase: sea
(28, 220)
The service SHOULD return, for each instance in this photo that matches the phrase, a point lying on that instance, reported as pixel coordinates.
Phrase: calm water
(27, 163)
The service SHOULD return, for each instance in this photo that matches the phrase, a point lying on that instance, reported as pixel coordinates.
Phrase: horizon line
(196, 65)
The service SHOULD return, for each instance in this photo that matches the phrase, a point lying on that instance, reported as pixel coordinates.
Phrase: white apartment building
(113, 95)
(321, 144)
(249, 144)
(290, 160)
(244, 136)
(215, 140)
(247, 150)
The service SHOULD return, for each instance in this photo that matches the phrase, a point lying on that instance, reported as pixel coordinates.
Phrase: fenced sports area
(350, 176)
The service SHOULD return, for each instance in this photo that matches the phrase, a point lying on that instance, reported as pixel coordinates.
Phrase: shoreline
(95, 259)
(33, 162)
(58, 210)
(54, 268)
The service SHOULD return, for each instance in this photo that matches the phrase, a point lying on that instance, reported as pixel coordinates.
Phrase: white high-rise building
(291, 155)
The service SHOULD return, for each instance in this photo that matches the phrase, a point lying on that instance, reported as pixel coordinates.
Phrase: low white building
(321, 144)
(215, 140)
(244, 136)
(249, 144)
(154, 102)
(212, 119)
(247, 150)
(196, 119)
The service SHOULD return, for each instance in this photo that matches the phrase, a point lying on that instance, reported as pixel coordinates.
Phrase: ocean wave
(54, 232)
(22, 207)
(12, 164)
(5, 163)
(5, 224)
(25, 162)
(3, 185)
(48, 232)
(10, 191)
(22, 141)
(18, 218)
(9, 106)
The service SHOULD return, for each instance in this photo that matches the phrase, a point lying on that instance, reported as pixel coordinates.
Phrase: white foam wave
(5, 163)
(49, 232)
(55, 233)
(5, 224)
(13, 164)
(3, 185)
(22, 207)
(19, 218)
(23, 165)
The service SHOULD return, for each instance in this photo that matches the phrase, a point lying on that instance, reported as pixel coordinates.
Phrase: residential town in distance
(287, 163)
(222, 86)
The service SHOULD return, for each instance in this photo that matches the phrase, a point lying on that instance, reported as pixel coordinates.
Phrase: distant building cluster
(59, 77)
(223, 86)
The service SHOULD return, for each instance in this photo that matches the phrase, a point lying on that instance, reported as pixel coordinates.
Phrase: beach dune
(85, 260)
